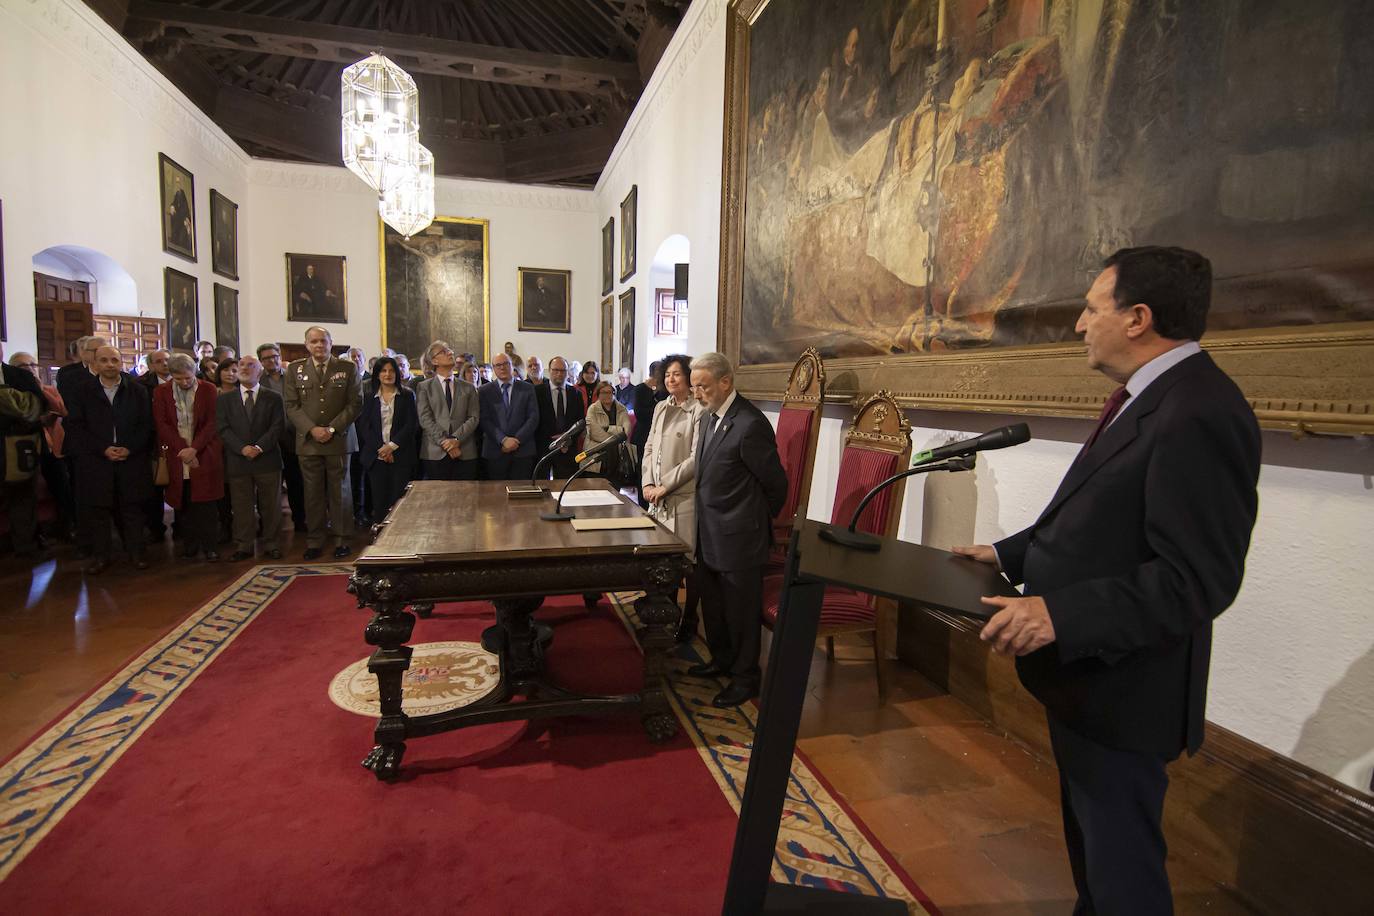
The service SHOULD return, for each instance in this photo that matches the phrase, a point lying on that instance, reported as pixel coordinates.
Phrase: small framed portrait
(627, 330)
(608, 331)
(608, 256)
(317, 288)
(227, 317)
(224, 236)
(545, 303)
(181, 299)
(178, 194)
(629, 224)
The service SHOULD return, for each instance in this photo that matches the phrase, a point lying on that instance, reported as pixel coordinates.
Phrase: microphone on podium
(568, 435)
(956, 456)
(614, 439)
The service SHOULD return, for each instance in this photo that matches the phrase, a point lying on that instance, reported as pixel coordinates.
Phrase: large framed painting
(178, 196)
(627, 330)
(4, 326)
(629, 228)
(224, 236)
(436, 285)
(181, 303)
(545, 303)
(608, 331)
(925, 189)
(227, 317)
(608, 256)
(317, 288)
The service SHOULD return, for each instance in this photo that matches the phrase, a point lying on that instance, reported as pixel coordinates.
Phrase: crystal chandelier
(408, 207)
(381, 122)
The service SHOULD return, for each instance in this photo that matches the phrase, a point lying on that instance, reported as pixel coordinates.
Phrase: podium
(899, 570)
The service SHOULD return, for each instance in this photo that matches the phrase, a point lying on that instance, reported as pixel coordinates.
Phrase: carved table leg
(424, 610)
(659, 614)
(389, 629)
(517, 638)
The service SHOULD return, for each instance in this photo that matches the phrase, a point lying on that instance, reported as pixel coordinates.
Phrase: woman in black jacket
(388, 436)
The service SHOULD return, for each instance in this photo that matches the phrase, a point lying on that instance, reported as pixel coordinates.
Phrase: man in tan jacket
(322, 399)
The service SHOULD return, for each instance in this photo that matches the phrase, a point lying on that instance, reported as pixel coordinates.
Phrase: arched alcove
(113, 290)
(675, 249)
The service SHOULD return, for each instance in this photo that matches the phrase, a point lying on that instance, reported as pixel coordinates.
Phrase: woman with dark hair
(226, 376)
(205, 371)
(588, 380)
(668, 468)
(388, 435)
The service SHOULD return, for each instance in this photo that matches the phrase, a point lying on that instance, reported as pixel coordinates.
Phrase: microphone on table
(1002, 437)
(956, 456)
(568, 435)
(558, 515)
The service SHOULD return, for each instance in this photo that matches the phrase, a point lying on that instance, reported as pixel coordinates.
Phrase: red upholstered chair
(876, 446)
(799, 425)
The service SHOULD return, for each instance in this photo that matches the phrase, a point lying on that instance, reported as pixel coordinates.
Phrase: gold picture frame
(629, 230)
(317, 288)
(445, 237)
(1316, 378)
(544, 300)
(608, 331)
(627, 332)
(177, 194)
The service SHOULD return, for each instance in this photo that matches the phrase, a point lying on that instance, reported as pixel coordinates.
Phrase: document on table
(590, 498)
(611, 524)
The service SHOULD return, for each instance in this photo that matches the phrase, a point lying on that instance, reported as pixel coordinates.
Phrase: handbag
(627, 465)
(162, 476)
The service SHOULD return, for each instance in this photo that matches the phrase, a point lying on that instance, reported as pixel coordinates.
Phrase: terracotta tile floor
(970, 813)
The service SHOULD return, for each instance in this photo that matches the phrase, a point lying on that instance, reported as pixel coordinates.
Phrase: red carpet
(246, 794)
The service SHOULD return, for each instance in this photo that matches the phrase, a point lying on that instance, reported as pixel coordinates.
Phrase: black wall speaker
(680, 282)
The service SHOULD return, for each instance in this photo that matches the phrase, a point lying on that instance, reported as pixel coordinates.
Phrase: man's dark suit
(740, 486)
(104, 486)
(1142, 546)
(254, 484)
(564, 464)
(497, 421)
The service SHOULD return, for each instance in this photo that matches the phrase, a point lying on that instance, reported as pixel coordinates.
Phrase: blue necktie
(505, 394)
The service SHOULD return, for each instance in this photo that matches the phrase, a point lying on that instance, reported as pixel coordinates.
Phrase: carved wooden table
(465, 541)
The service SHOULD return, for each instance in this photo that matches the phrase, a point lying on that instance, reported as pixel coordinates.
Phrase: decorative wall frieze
(77, 33)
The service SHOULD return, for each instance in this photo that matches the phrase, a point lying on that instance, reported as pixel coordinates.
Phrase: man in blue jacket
(509, 421)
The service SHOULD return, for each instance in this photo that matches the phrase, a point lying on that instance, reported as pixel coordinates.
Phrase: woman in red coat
(184, 412)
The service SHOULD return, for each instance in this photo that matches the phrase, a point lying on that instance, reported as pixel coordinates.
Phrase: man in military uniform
(322, 399)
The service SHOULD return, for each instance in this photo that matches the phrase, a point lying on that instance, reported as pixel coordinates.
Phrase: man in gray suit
(448, 419)
(322, 401)
(741, 485)
(250, 420)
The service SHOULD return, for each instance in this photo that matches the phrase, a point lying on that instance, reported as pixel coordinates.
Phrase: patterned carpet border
(819, 843)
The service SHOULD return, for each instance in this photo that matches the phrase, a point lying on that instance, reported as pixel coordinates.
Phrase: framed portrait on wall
(224, 236)
(608, 256)
(227, 317)
(181, 300)
(629, 227)
(178, 196)
(436, 285)
(608, 331)
(627, 330)
(545, 303)
(4, 327)
(317, 288)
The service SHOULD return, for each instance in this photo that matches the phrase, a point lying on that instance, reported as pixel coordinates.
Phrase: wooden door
(62, 313)
(134, 335)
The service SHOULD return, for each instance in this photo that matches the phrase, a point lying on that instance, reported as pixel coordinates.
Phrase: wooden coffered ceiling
(533, 91)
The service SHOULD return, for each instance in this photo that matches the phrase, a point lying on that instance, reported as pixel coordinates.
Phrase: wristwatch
(331, 430)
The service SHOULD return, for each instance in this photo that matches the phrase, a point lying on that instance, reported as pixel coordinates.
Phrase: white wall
(85, 120)
(316, 209)
(1293, 667)
(671, 149)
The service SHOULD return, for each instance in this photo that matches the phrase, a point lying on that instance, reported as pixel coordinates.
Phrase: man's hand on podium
(983, 553)
(1023, 624)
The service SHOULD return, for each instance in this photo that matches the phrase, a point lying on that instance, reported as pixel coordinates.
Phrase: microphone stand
(558, 515)
(859, 540)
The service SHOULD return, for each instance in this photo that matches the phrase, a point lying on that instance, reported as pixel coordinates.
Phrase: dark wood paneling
(1287, 838)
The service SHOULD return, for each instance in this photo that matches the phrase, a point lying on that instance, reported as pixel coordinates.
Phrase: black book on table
(935, 578)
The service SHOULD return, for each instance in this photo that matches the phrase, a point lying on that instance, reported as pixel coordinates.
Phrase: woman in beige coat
(669, 466)
(605, 418)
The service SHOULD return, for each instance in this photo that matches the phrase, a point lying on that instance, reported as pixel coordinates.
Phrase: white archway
(113, 290)
(675, 249)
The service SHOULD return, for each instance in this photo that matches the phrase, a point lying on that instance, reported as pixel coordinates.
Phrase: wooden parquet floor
(970, 813)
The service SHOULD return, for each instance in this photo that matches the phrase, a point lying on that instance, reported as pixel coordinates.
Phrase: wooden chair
(799, 426)
(876, 446)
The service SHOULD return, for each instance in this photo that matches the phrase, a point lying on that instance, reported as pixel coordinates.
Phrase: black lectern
(901, 570)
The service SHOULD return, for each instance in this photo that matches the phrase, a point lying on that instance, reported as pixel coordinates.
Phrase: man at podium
(1141, 547)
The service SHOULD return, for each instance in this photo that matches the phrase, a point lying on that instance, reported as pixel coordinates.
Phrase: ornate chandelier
(381, 122)
(409, 206)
